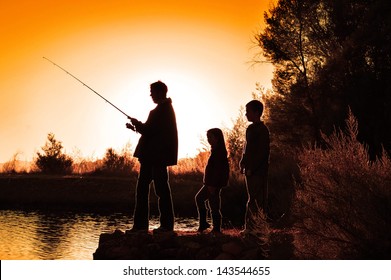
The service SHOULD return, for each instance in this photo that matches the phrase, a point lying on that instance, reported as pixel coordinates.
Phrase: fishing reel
(134, 123)
(130, 126)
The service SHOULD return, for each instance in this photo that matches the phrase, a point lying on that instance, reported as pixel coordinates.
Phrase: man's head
(158, 91)
(254, 110)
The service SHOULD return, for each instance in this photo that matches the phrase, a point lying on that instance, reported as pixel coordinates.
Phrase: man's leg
(141, 209)
(163, 191)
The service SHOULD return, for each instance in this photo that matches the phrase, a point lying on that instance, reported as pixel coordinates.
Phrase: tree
(330, 55)
(361, 72)
(296, 40)
(53, 160)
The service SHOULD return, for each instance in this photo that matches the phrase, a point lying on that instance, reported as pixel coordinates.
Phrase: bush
(191, 166)
(343, 201)
(117, 164)
(53, 160)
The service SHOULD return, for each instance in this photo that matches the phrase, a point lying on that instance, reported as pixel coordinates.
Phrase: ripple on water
(32, 235)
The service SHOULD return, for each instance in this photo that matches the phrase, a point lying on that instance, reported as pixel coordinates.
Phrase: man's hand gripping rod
(128, 125)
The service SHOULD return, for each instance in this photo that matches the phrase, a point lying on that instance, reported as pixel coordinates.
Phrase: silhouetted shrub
(53, 160)
(191, 167)
(343, 201)
(117, 164)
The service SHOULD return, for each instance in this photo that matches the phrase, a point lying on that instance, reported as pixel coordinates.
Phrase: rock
(252, 254)
(192, 245)
(208, 253)
(166, 239)
(224, 256)
(169, 254)
(174, 245)
(137, 239)
(232, 248)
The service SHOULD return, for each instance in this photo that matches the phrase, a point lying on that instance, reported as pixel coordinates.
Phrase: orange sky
(200, 49)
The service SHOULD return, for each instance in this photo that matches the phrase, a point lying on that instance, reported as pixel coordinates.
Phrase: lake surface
(45, 235)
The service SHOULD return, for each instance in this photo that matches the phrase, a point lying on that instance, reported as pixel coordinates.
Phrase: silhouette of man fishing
(156, 150)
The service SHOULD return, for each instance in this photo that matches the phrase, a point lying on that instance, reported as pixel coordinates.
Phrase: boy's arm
(243, 160)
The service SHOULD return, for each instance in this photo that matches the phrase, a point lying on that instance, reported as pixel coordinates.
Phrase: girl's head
(215, 138)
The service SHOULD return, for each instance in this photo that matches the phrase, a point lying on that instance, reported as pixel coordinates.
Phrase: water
(44, 235)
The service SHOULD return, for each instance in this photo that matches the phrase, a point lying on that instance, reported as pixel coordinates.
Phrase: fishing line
(87, 86)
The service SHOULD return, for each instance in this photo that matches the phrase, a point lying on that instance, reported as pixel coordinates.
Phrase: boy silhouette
(255, 163)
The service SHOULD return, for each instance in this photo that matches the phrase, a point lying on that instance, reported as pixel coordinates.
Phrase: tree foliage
(330, 55)
(53, 160)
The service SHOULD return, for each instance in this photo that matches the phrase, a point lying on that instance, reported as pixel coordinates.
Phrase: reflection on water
(67, 235)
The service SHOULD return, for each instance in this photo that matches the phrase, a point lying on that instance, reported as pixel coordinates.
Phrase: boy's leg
(262, 194)
(257, 197)
(258, 192)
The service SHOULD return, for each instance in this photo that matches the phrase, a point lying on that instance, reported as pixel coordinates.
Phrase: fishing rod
(84, 84)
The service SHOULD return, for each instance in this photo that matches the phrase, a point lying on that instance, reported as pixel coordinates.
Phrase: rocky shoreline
(178, 246)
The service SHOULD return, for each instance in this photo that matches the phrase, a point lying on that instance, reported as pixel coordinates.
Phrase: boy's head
(254, 110)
